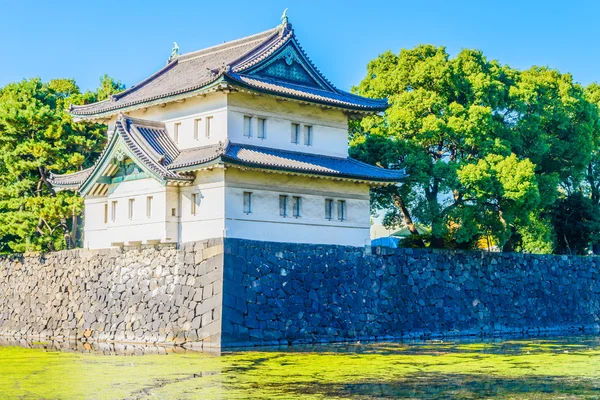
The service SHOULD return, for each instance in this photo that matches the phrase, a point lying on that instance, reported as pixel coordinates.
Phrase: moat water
(542, 368)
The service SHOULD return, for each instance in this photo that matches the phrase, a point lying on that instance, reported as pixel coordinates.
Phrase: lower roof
(149, 145)
(284, 160)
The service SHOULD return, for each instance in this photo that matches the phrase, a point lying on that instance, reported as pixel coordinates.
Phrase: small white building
(246, 139)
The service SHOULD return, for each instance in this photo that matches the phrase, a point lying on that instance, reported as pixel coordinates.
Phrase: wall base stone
(147, 294)
(296, 294)
(223, 293)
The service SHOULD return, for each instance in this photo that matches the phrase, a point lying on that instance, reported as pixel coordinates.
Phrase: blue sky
(131, 40)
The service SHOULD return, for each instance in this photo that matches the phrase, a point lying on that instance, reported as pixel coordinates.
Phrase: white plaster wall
(209, 220)
(330, 127)
(265, 223)
(187, 112)
(156, 228)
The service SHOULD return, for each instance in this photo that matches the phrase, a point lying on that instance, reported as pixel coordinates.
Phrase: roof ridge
(226, 45)
(144, 81)
(133, 138)
(143, 122)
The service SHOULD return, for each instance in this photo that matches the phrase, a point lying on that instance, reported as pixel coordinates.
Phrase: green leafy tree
(576, 221)
(37, 136)
(590, 185)
(486, 146)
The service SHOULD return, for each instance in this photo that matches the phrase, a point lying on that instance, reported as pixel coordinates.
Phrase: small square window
(262, 128)
(308, 135)
(283, 200)
(296, 206)
(328, 209)
(247, 126)
(248, 202)
(341, 210)
(295, 133)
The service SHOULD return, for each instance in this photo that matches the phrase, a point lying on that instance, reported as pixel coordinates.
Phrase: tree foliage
(488, 148)
(37, 136)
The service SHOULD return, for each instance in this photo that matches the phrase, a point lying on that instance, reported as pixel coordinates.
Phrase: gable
(290, 65)
(117, 164)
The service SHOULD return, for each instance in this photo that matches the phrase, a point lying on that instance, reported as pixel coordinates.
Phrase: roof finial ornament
(174, 52)
(284, 17)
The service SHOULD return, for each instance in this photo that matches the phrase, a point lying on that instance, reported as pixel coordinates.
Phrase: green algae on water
(546, 368)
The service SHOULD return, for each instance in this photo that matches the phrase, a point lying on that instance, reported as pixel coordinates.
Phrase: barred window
(308, 135)
(262, 128)
(296, 206)
(328, 209)
(295, 133)
(341, 210)
(283, 200)
(247, 126)
(248, 202)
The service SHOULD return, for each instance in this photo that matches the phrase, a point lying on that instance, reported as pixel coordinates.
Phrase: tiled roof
(150, 143)
(285, 89)
(68, 181)
(197, 71)
(156, 140)
(283, 160)
(263, 157)
(197, 156)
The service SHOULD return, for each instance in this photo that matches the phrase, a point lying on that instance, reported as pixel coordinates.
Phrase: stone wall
(282, 293)
(237, 293)
(150, 294)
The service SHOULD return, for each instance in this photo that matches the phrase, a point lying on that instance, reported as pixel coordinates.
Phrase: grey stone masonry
(226, 293)
(291, 293)
(148, 294)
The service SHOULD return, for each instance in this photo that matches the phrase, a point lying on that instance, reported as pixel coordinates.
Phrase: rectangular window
(194, 203)
(247, 126)
(296, 204)
(149, 206)
(328, 209)
(283, 205)
(262, 128)
(176, 132)
(308, 135)
(295, 133)
(113, 211)
(209, 123)
(173, 212)
(341, 210)
(197, 128)
(247, 202)
(106, 213)
(131, 207)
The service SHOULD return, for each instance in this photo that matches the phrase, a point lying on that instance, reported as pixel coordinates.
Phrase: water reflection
(104, 348)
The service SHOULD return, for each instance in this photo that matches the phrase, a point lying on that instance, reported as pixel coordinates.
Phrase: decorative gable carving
(289, 65)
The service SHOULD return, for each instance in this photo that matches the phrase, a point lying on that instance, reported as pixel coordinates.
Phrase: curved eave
(209, 87)
(367, 179)
(59, 187)
(282, 95)
(311, 174)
